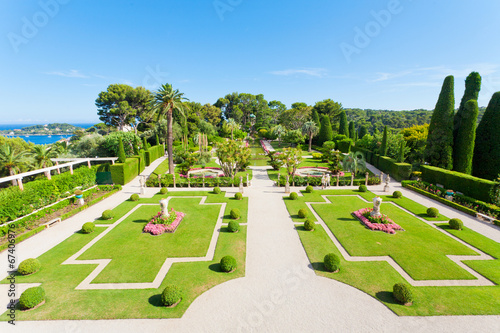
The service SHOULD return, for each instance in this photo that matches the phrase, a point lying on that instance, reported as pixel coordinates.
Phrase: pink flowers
(383, 223)
(155, 228)
(264, 147)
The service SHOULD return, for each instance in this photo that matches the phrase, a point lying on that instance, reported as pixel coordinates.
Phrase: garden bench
(485, 217)
(51, 223)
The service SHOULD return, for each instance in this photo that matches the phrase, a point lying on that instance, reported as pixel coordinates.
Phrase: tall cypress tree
(351, 130)
(343, 125)
(325, 132)
(121, 151)
(472, 87)
(486, 162)
(315, 118)
(362, 131)
(439, 148)
(383, 146)
(464, 144)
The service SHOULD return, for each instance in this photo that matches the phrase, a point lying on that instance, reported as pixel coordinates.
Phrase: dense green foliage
(31, 297)
(134, 197)
(439, 149)
(170, 295)
(486, 163)
(235, 213)
(309, 225)
(228, 264)
(325, 132)
(233, 226)
(29, 266)
(88, 227)
(293, 196)
(309, 189)
(331, 262)
(107, 214)
(343, 124)
(402, 292)
(238, 196)
(383, 146)
(463, 149)
(302, 213)
(362, 188)
(397, 194)
(432, 212)
(163, 190)
(456, 224)
(216, 190)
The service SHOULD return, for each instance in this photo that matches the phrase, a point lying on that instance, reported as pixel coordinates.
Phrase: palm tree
(42, 155)
(354, 162)
(278, 131)
(311, 129)
(11, 160)
(231, 125)
(165, 102)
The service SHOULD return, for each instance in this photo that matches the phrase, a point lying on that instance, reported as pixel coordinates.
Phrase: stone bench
(485, 217)
(52, 223)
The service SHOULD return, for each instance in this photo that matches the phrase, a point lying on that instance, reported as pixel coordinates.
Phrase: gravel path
(279, 293)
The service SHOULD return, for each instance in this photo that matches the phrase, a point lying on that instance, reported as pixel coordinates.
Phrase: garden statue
(241, 184)
(366, 179)
(376, 207)
(387, 180)
(287, 185)
(164, 208)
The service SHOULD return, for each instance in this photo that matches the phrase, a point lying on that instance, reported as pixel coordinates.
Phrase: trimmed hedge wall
(398, 171)
(471, 186)
(154, 153)
(122, 173)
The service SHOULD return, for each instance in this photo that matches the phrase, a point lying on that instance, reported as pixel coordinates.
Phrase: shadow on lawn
(386, 296)
(155, 300)
(140, 221)
(215, 267)
(318, 266)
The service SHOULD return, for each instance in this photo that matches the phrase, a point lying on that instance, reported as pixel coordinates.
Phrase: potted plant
(78, 194)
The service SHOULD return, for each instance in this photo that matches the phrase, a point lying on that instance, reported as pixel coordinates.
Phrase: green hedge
(471, 186)
(154, 153)
(398, 171)
(122, 173)
(15, 203)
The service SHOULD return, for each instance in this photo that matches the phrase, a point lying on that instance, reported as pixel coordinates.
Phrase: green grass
(65, 303)
(161, 169)
(279, 147)
(378, 278)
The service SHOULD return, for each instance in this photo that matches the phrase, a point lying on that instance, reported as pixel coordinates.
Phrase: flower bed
(159, 225)
(383, 223)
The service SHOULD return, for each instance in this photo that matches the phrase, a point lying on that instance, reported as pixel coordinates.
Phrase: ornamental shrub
(235, 213)
(163, 190)
(309, 189)
(238, 196)
(456, 224)
(107, 214)
(317, 156)
(402, 293)
(432, 212)
(233, 226)
(170, 295)
(302, 213)
(31, 297)
(29, 266)
(397, 194)
(362, 188)
(293, 196)
(217, 190)
(134, 197)
(228, 264)
(309, 225)
(332, 262)
(88, 227)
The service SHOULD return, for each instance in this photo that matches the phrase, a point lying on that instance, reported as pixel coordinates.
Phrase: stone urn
(376, 207)
(164, 208)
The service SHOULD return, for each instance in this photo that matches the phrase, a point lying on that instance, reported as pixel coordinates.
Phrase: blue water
(39, 139)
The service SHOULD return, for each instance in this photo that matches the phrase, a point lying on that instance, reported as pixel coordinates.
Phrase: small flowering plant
(382, 223)
(160, 224)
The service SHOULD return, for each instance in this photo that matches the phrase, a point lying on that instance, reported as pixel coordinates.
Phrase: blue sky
(57, 55)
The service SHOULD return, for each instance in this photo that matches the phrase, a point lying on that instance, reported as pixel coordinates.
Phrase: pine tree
(351, 130)
(439, 148)
(121, 152)
(383, 146)
(466, 136)
(325, 132)
(486, 163)
(362, 131)
(472, 87)
(343, 125)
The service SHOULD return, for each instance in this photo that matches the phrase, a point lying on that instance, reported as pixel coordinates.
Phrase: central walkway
(279, 293)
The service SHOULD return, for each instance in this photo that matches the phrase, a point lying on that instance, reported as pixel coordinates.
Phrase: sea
(39, 139)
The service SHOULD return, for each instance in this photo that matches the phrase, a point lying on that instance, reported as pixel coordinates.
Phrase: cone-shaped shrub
(383, 146)
(121, 151)
(439, 148)
(463, 150)
(343, 124)
(325, 132)
(352, 130)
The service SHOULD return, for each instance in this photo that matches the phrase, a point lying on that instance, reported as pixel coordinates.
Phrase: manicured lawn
(161, 169)
(279, 147)
(136, 256)
(419, 250)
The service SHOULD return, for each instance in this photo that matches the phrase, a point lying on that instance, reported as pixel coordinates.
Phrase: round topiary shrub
(163, 190)
(29, 266)
(31, 297)
(456, 224)
(332, 262)
(107, 214)
(432, 212)
(402, 293)
(238, 196)
(293, 196)
(171, 295)
(397, 194)
(309, 225)
(217, 190)
(302, 213)
(362, 188)
(235, 213)
(233, 226)
(309, 189)
(88, 227)
(228, 264)
(134, 197)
